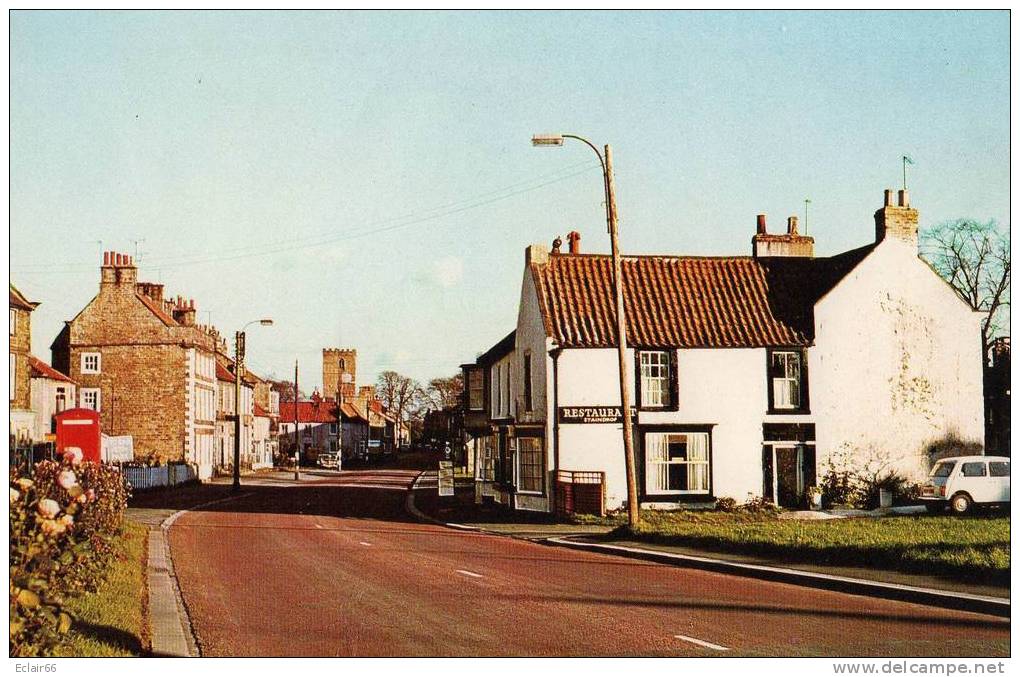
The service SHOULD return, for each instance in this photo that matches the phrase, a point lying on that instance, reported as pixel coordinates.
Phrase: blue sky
(366, 179)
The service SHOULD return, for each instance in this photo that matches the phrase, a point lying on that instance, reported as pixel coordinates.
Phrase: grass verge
(110, 621)
(972, 549)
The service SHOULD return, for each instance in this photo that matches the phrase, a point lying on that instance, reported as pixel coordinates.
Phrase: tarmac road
(335, 567)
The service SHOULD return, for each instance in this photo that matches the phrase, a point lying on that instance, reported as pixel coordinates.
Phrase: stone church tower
(339, 369)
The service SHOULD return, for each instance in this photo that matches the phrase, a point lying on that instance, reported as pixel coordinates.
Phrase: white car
(961, 482)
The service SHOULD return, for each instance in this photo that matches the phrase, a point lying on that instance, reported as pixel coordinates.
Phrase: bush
(63, 521)
(759, 505)
(726, 504)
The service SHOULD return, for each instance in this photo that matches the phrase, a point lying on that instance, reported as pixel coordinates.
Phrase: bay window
(676, 463)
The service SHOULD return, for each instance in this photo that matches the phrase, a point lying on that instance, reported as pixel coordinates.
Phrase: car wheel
(961, 504)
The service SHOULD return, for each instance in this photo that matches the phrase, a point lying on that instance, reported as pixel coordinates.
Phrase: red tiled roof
(157, 310)
(42, 370)
(309, 411)
(687, 302)
(223, 374)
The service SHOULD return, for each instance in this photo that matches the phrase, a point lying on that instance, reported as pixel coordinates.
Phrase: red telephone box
(80, 428)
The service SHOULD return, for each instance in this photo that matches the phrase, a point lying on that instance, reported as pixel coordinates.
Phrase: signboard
(446, 478)
(119, 449)
(596, 414)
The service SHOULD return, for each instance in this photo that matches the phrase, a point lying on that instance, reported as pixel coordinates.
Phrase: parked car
(329, 459)
(961, 482)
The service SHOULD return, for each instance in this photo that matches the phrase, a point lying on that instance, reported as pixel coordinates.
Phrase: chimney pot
(888, 198)
(116, 259)
(761, 223)
(904, 198)
(574, 238)
(791, 225)
(106, 258)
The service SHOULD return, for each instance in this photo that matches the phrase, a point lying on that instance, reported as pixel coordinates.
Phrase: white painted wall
(43, 393)
(897, 362)
(726, 388)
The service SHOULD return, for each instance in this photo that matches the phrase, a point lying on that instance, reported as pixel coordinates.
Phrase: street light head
(266, 322)
(547, 140)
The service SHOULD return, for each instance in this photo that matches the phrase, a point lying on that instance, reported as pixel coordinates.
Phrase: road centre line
(701, 642)
(469, 573)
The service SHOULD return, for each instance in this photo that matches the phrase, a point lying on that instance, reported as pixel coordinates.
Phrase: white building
(748, 374)
(52, 393)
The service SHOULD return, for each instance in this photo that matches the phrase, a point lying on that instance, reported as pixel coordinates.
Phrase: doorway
(788, 489)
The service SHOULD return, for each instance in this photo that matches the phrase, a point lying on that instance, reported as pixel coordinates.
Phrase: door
(789, 480)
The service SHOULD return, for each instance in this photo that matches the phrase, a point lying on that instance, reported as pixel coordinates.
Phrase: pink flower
(15, 494)
(73, 455)
(67, 520)
(48, 508)
(52, 527)
(25, 483)
(67, 479)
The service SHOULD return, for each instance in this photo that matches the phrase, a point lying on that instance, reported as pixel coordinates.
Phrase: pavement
(335, 566)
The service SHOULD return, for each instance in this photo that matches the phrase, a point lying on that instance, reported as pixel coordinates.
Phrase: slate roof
(156, 310)
(687, 301)
(40, 369)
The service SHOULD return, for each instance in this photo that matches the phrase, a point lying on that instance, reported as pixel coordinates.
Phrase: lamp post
(238, 374)
(606, 160)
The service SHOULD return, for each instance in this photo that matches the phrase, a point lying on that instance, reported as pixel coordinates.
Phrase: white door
(975, 481)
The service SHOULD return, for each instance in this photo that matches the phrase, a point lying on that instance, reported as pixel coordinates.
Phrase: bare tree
(974, 258)
(445, 392)
(285, 388)
(397, 393)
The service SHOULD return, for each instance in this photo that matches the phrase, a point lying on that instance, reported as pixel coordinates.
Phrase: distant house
(318, 427)
(997, 398)
(354, 432)
(52, 393)
(22, 418)
(748, 374)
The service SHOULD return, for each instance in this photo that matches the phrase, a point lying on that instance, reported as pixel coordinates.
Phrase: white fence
(159, 476)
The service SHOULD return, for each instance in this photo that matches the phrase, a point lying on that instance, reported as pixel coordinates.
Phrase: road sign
(446, 478)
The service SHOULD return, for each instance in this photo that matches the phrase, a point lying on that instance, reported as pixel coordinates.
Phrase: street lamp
(238, 373)
(606, 160)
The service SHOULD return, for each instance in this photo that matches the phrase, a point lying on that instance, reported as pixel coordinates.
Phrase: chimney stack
(537, 254)
(574, 238)
(791, 243)
(896, 221)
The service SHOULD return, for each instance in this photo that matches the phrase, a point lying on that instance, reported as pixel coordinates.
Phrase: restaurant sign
(608, 414)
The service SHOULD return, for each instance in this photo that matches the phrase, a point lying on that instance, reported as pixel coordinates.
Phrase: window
(14, 321)
(332, 428)
(528, 404)
(507, 400)
(998, 468)
(497, 387)
(14, 368)
(476, 388)
(486, 459)
(91, 363)
(676, 463)
(975, 469)
(61, 399)
(944, 469)
(529, 465)
(655, 385)
(91, 398)
(785, 374)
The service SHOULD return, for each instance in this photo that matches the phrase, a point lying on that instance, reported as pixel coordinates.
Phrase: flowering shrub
(63, 521)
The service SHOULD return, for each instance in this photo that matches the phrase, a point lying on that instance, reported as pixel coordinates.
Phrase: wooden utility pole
(297, 441)
(633, 514)
(238, 369)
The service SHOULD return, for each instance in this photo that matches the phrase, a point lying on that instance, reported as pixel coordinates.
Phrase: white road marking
(701, 642)
(365, 543)
(469, 573)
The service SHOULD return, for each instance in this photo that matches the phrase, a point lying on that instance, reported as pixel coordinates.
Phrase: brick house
(52, 393)
(22, 420)
(143, 363)
(318, 426)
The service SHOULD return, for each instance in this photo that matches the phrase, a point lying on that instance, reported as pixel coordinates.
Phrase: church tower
(339, 370)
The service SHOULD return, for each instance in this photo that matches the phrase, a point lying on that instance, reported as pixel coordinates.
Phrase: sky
(366, 179)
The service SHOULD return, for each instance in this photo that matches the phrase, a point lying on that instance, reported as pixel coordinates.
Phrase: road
(335, 567)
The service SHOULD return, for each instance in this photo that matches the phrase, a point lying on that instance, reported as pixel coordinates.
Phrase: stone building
(339, 372)
(144, 364)
(21, 416)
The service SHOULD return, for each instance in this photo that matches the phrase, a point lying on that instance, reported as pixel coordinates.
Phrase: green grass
(109, 622)
(972, 549)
